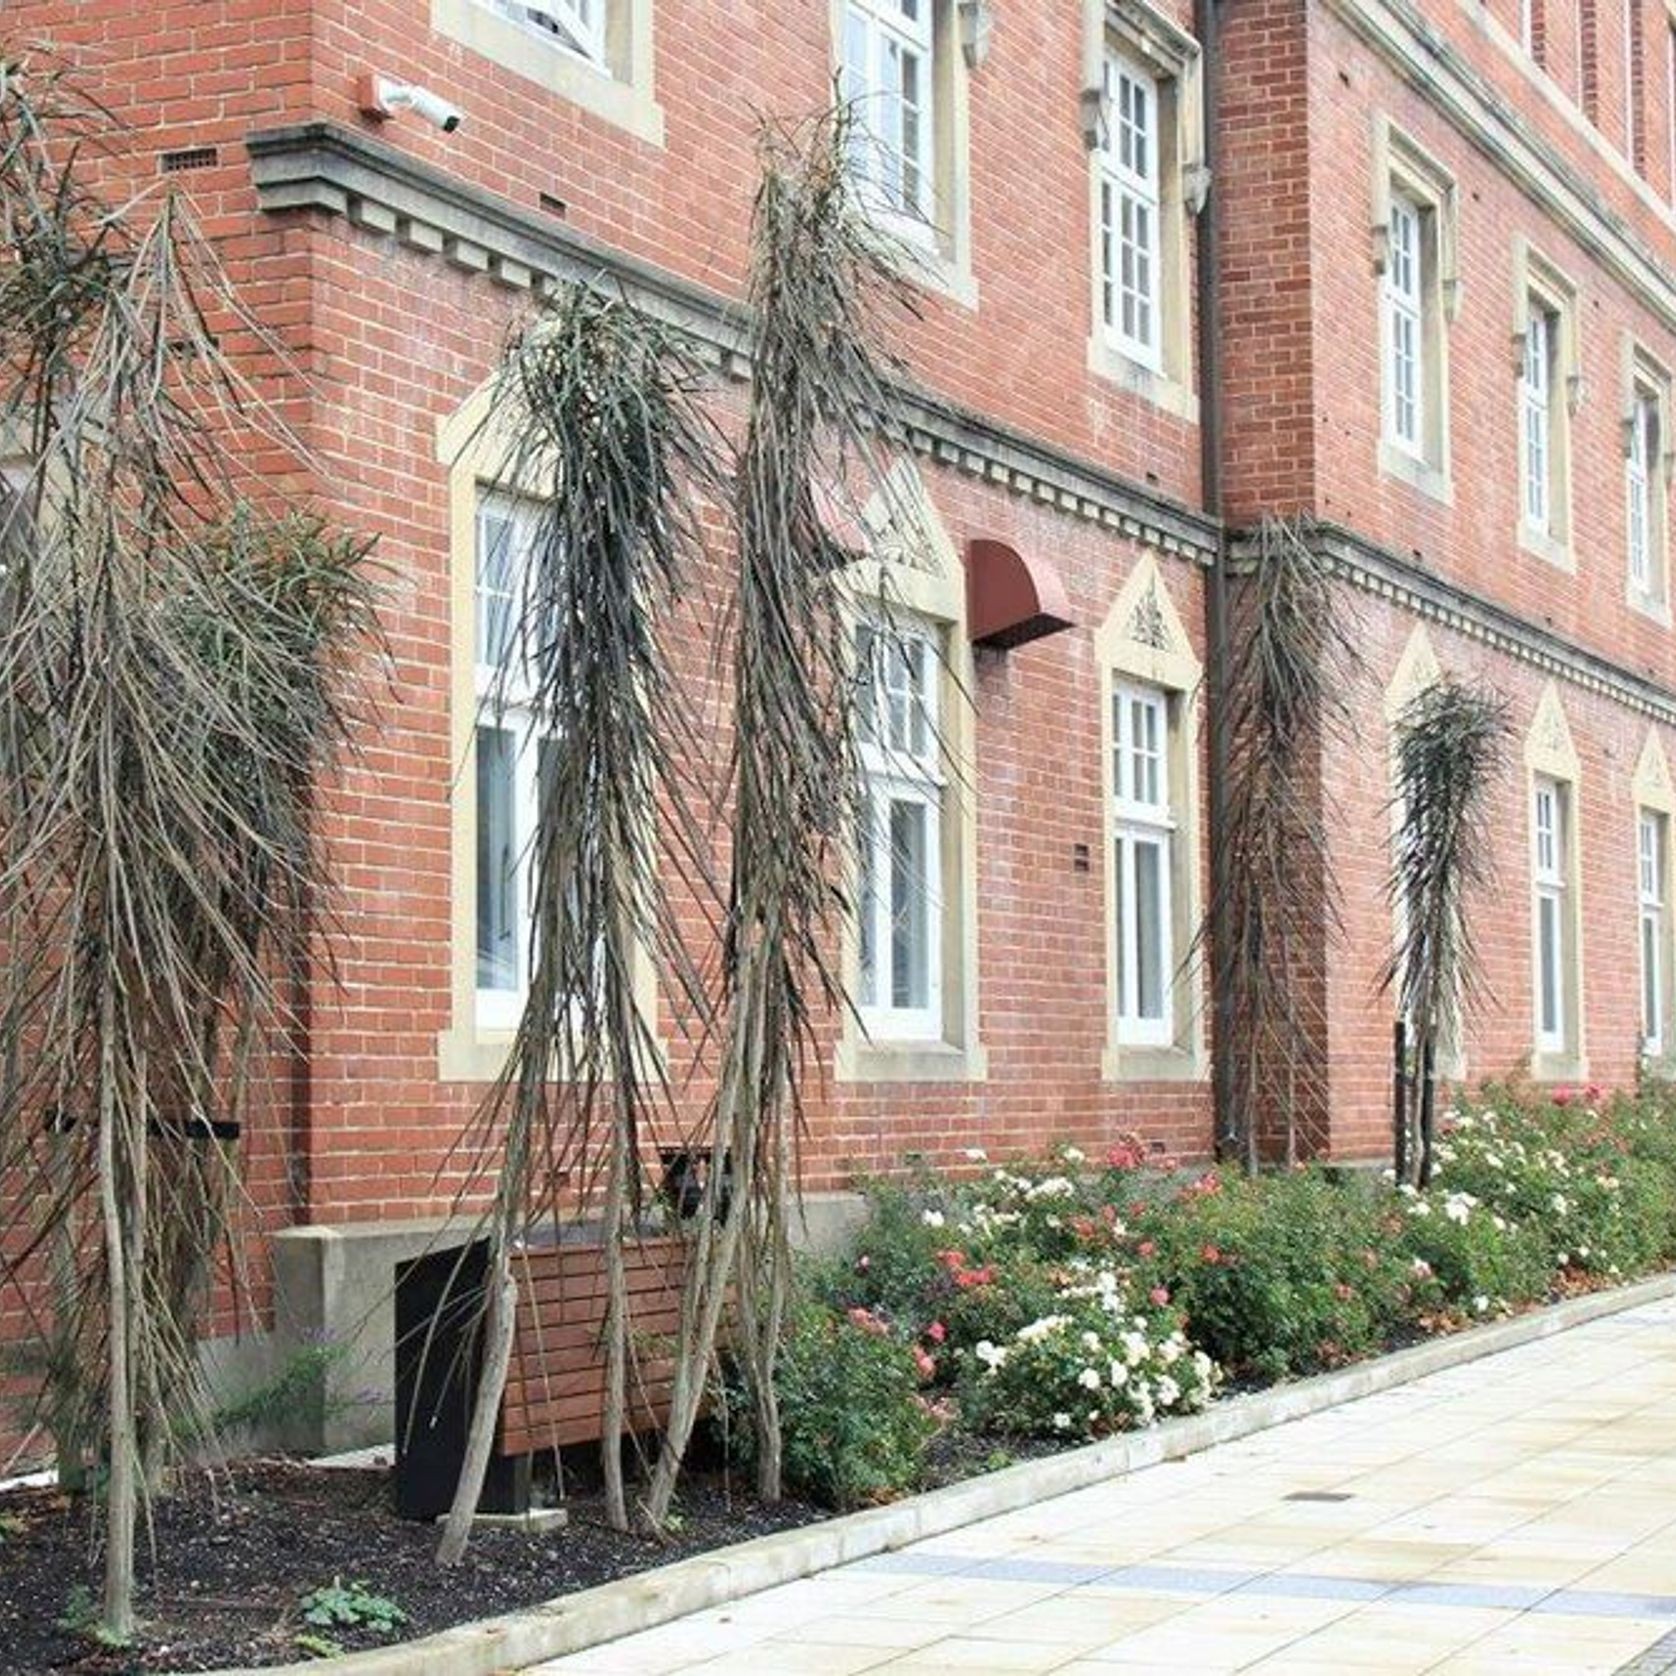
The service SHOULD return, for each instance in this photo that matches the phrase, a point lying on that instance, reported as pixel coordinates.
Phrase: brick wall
(380, 343)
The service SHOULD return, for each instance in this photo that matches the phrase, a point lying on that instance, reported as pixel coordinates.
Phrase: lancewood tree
(1451, 742)
(595, 420)
(171, 664)
(821, 280)
(1289, 672)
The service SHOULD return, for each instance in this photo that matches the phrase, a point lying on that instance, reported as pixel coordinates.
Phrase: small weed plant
(341, 1605)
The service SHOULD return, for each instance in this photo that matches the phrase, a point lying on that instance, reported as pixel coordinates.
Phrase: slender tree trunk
(117, 1616)
(498, 1320)
(69, 1445)
(1428, 1103)
(612, 1234)
(770, 1319)
(1399, 1100)
(717, 1244)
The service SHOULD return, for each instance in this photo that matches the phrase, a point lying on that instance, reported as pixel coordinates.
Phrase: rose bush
(1076, 1294)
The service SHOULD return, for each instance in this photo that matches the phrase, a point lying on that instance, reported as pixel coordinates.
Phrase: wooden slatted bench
(555, 1389)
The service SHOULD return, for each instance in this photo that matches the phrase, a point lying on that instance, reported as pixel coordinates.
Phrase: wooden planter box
(555, 1388)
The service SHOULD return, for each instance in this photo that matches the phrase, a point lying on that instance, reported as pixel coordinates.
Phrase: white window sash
(1551, 931)
(1640, 501)
(1536, 392)
(894, 159)
(1654, 934)
(1130, 211)
(883, 1017)
(1142, 823)
(574, 26)
(1405, 373)
(905, 769)
(502, 706)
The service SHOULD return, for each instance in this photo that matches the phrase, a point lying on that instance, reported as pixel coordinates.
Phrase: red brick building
(1442, 323)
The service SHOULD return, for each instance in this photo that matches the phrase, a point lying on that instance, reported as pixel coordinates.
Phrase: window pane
(497, 582)
(1548, 963)
(1120, 877)
(498, 917)
(910, 964)
(1651, 977)
(867, 906)
(1149, 931)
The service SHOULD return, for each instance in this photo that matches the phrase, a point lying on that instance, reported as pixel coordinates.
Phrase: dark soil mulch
(235, 1556)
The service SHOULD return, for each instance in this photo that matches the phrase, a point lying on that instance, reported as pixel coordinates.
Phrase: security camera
(380, 97)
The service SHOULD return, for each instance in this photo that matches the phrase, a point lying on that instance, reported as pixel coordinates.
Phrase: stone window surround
(1402, 166)
(1644, 374)
(472, 451)
(1538, 280)
(1143, 33)
(1160, 655)
(1551, 755)
(1653, 792)
(939, 259)
(620, 92)
(930, 586)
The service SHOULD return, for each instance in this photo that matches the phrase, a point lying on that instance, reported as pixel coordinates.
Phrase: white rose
(1089, 1379)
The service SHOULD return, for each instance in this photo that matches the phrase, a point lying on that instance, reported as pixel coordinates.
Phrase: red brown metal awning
(1011, 599)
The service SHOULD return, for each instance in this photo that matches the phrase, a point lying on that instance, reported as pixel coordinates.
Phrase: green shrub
(854, 1425)
(1468, 1258)
(1276, 1276)
(1094, 1366)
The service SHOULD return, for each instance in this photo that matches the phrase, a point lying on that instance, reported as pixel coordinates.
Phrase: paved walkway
(1515, 1514)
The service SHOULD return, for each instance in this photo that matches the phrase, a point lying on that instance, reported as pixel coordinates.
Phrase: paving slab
(1515, 1514)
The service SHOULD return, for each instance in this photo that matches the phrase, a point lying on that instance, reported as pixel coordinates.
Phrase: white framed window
(888, 73)
(1638, 479)
(1414, 229)
(1130, 196)
(509, 755)
(578, 26)
(1550, 841)
(1405, 393)
(1654, 928)
(899, 906)
(1646, 481)
(1536, 416)
(1143, 831)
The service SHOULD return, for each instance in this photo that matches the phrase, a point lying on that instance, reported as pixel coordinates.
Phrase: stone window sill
(1546, 547)
(860, 1060)
(1559, 1067)
(1432, 481)
(1158, 389)
(625, 102)
(1122, 1063)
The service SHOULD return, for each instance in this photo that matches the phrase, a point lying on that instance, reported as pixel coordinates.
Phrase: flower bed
(1066, 1298)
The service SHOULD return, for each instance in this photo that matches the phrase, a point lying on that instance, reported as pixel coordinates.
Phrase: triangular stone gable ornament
(1548, 746)
(1653, 787)
(1148, 626)
(1417, 669)
(1143, 635)
(901, 524)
